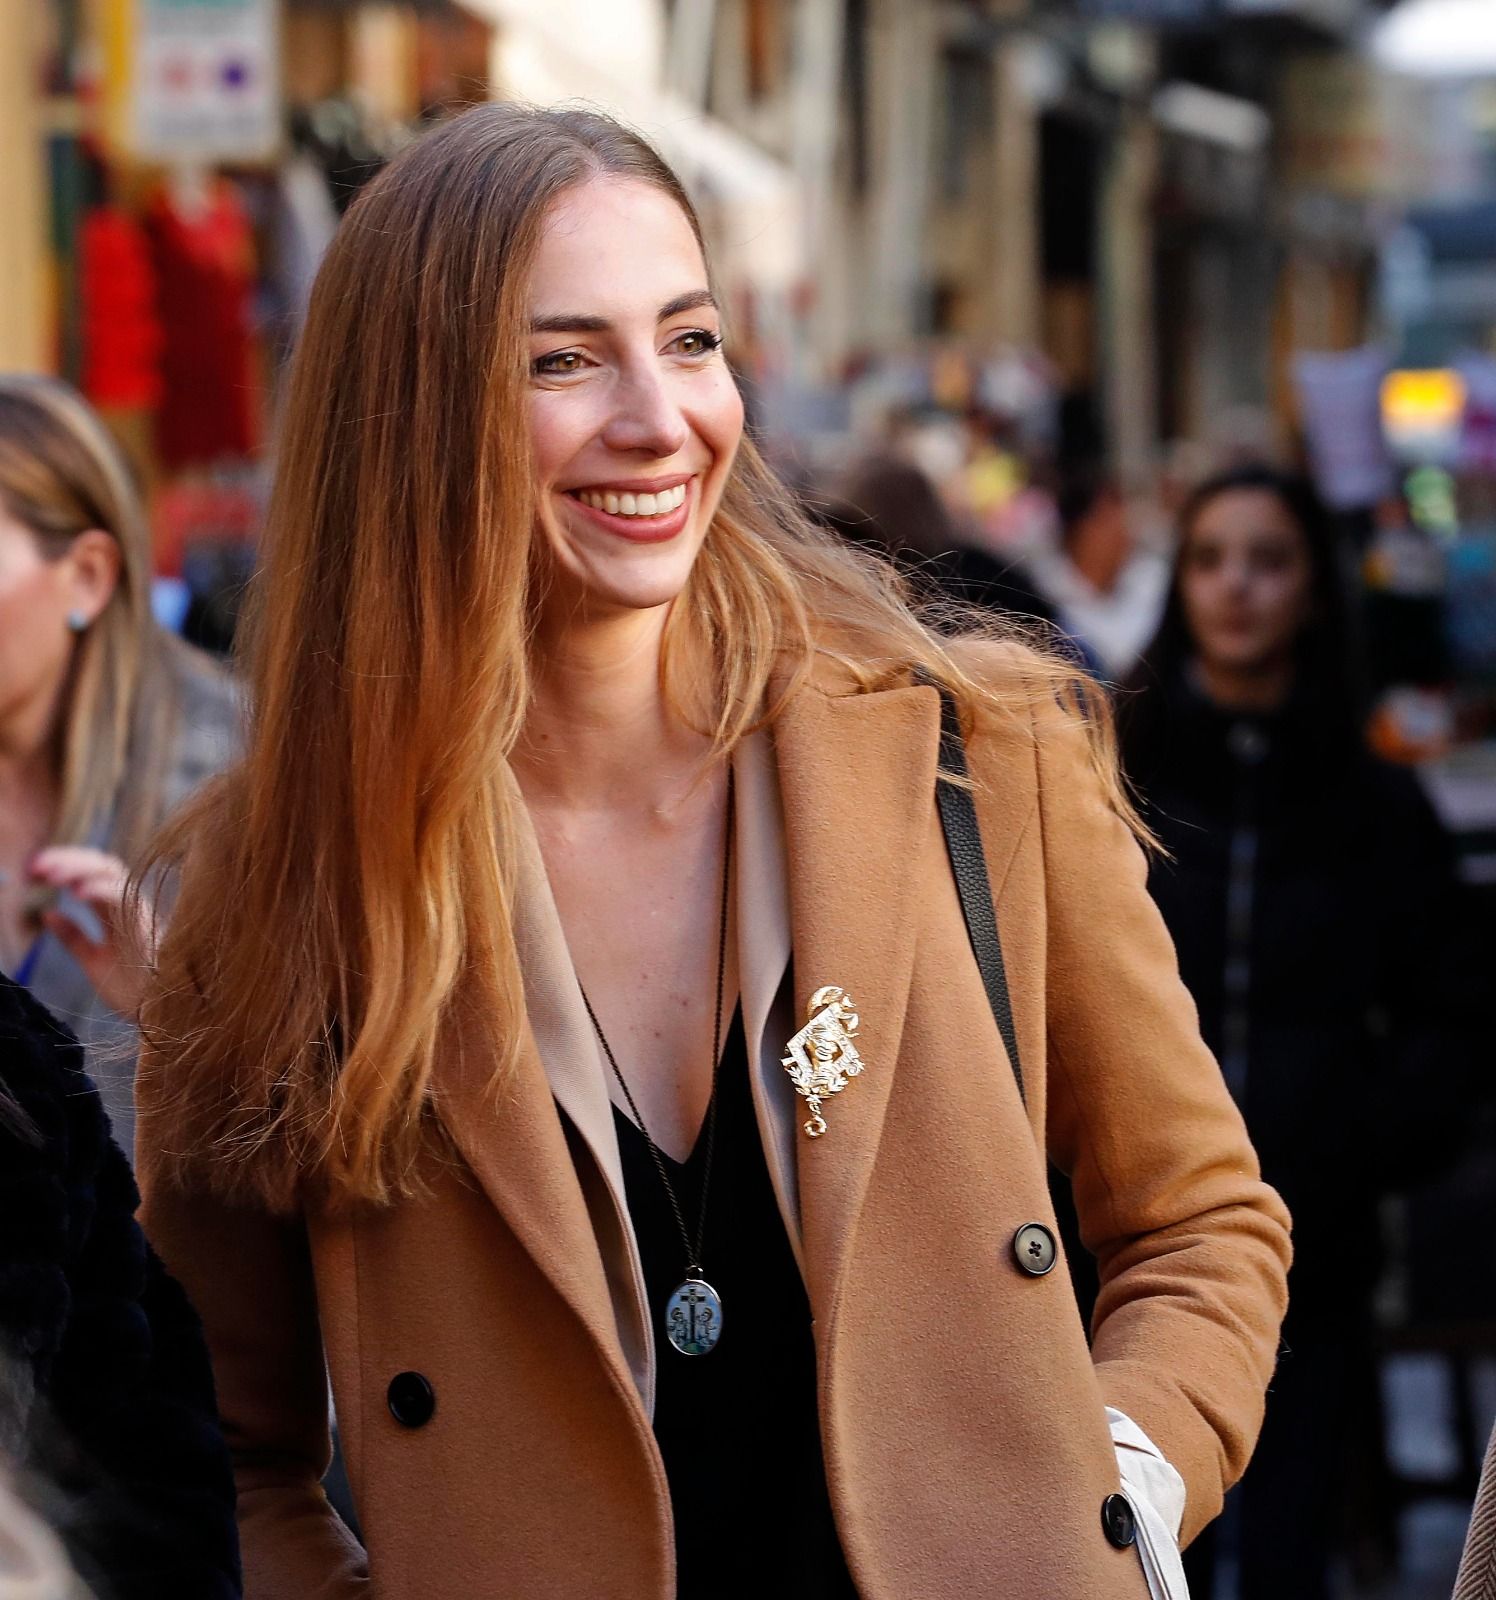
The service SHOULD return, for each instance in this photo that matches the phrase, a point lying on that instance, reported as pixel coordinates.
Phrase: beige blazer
(975, 1463)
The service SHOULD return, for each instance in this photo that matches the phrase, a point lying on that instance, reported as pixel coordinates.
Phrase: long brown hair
(60, 474)
(358, 864)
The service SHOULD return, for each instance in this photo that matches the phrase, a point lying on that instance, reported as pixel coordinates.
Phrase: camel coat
(963, 1416)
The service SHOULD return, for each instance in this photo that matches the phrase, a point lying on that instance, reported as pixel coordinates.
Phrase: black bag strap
(963, 843)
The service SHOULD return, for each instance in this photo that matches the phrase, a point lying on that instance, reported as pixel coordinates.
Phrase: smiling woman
(588, 784)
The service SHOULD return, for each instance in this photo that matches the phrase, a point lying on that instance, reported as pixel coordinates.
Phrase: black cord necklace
(693, 1313)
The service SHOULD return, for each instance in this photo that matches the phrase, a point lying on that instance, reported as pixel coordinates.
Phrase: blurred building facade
(1122, 186)
(1160, 199)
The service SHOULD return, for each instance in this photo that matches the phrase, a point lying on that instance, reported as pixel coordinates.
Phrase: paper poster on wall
(204, 84)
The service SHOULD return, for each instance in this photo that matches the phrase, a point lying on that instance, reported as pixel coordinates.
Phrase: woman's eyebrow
(694, 300)
(583, 322)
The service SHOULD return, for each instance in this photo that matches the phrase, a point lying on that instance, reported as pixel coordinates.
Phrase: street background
(1011, 245)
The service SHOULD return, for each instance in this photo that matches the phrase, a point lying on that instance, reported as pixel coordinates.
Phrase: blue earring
(78, 621)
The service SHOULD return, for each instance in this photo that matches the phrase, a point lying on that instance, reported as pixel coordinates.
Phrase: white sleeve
(1156, 1493)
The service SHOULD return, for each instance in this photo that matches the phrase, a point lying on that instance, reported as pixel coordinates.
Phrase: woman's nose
(646, 417)
(1236, 576)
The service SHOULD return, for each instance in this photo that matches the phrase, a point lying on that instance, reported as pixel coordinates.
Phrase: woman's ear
(94, 566)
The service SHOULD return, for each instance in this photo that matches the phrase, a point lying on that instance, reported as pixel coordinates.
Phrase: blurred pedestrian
(1311, 895)
(1106, 591)
(106, 722)
(106, 1395)
(889, 505)
(588, 783)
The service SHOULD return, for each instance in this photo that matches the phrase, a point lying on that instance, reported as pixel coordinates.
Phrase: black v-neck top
(737, 1427)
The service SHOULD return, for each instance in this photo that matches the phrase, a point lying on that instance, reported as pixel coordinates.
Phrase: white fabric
(1118, 624)
(764, 968)
(1156, 1494)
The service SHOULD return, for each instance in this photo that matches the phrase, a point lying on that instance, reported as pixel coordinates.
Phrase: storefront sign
(1349, 129)
(1423, 414)
(204, 85)
(1340, 402)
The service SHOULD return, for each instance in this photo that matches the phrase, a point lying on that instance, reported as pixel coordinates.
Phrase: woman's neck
(599, 732)
(28, 750)
(1261, 688)
(28, 800)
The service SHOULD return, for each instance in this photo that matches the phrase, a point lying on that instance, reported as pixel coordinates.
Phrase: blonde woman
(106, 723)
(582, 772)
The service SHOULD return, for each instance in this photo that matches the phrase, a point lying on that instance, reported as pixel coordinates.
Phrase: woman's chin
(622, 580)
(598, 594)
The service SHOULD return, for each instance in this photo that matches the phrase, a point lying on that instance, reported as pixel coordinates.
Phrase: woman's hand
(117, 963)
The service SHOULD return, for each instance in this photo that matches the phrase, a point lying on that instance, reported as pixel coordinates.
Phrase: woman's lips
(637, 529)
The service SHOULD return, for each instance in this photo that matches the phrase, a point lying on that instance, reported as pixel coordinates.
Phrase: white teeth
(634, 505)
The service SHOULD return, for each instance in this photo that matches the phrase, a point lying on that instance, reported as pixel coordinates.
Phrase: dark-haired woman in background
(1310, 892)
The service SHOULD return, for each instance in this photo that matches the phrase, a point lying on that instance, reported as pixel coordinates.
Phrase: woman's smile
(643, 511)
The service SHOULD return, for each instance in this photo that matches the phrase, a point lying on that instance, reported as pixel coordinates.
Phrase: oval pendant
(693, 1318)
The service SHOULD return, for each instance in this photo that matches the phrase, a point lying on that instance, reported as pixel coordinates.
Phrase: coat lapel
(857, 775)
(513, 1140)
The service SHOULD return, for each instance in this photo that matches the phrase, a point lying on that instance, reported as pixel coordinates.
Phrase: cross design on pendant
(693, 1318)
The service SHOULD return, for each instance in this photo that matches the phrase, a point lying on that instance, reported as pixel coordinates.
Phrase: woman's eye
(557, 364)
(698, 342)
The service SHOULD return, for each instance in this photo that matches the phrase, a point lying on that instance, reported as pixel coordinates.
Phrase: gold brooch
(822, 1058)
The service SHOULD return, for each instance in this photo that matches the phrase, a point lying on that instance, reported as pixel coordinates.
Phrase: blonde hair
(61, 474)
(357, 866)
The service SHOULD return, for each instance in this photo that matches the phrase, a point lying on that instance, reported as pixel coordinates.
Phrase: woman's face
(35, 643)
(1245, 581)
(634, 416)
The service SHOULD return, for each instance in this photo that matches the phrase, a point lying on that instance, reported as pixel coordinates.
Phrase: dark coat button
(412, 1399)
(1034, 1249)
(1117, 1521)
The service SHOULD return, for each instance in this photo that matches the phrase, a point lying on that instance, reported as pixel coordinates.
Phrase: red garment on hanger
(121, 336)
(204, 259)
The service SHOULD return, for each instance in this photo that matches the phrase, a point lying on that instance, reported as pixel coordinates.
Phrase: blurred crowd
(1335, 950)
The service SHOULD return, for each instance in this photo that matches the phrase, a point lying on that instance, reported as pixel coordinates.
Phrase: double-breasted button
(412, 1399)
(1034, 1249)
(1118, 1521)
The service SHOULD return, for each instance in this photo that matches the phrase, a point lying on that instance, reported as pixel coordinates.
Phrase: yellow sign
(1423, 411)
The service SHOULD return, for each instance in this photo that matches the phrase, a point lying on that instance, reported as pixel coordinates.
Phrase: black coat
(1312, 898)
(106, 1390)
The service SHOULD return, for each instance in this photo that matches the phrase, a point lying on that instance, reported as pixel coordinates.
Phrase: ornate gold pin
(822, 1058)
